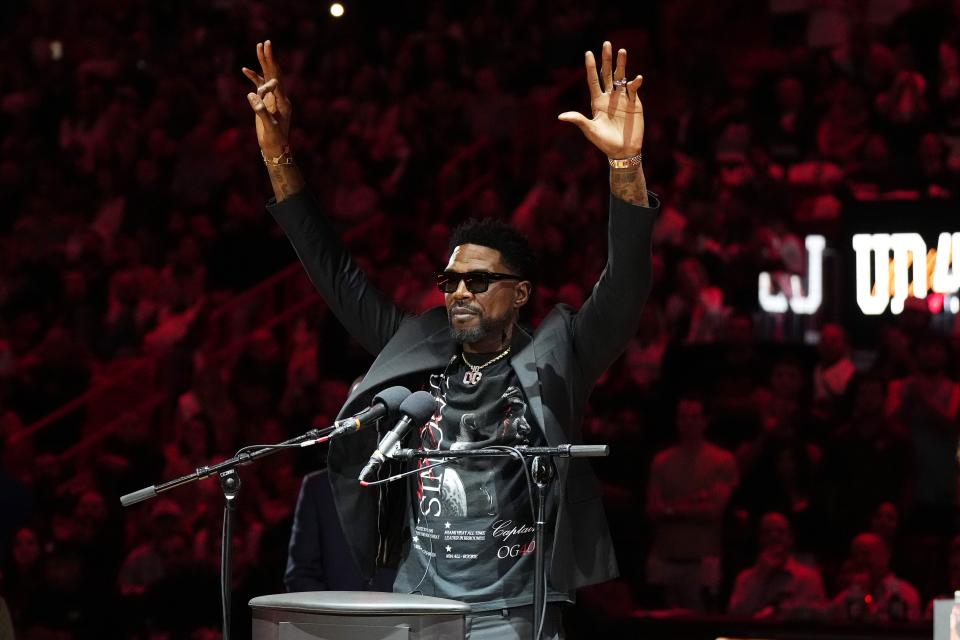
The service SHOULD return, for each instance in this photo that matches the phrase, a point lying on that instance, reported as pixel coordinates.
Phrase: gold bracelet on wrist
(285, 158)
(626, 163)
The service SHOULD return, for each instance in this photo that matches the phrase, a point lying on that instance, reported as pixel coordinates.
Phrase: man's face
(475, 317)
(885, 520)
(26, 547)
(869, 553)
(91, 507)
(775, 532)
(833, 343)
(691, 420)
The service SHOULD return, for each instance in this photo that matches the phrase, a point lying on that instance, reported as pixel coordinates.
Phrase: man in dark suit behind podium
(318, 558)
(465, 530)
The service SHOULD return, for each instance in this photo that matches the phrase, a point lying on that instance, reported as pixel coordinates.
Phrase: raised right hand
(269, 103)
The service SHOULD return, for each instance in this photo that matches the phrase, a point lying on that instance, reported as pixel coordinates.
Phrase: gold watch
(626, 163)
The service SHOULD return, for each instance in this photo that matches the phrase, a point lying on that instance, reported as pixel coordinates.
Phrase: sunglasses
(476, 281)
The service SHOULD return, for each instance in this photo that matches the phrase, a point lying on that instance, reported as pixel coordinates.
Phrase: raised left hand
(617, 124)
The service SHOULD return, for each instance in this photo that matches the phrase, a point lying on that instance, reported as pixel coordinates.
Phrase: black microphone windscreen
(419, 406)
(392, 398)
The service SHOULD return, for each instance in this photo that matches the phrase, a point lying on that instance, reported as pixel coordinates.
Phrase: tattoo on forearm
(630, 185)
(286, 180)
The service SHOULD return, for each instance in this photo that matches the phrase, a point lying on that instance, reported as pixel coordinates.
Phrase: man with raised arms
(465, 530)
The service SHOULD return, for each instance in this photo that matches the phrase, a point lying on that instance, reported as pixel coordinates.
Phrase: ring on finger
(620, 84)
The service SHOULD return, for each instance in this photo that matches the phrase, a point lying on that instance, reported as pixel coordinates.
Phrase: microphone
(416, 409)
(384, 403)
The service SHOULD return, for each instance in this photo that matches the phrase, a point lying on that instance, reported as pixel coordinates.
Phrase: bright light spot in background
(954, 305)
(336, 9)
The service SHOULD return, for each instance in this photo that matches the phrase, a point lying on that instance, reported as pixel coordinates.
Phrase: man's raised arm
(272, 108)
(610, 316)
(369, 316)
(617, 124)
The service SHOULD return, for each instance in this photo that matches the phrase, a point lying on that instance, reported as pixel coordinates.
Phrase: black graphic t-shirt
(471, 523)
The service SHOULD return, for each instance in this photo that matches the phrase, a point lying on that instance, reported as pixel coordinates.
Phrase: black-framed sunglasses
(475, 281)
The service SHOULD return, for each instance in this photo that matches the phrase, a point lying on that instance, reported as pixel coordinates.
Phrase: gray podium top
(360, 602)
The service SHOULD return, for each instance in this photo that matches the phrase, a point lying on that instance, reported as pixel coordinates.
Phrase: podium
(357, 615)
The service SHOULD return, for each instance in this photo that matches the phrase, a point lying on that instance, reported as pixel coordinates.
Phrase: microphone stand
(542, 472)
(226, 471)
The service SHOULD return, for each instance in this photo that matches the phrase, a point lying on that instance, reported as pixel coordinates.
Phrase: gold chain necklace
(472, 377)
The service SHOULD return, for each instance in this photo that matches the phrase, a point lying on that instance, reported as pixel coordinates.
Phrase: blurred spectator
(927, 404)
(785, 423)
(259, 378)
(130, 458)
(843, 129)
(783, 402)
(690, 486)
(783, 478)
(894, 358)
(885, 522)
(79, 609)
(734, 376)
(97, 536)
(790, 128)
(644, 354)
(777, 586)
(16, 501)
(188, 585)
(868, 461)
(147, 563)
(876, 594)
(696, 307)
(23, 576)
(834, 370)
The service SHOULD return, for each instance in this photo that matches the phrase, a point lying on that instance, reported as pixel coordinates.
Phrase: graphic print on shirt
(442, 489)
(471, 521)
(472, 500)
(431, 439)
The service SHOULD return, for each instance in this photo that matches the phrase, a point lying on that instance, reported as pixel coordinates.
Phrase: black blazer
(318, 558)
(557, 367)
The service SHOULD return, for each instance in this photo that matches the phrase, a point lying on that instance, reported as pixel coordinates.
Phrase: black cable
(526, 472)
(426, 570)
(257, 447)
(543, 614)
(538, 628)
(409, 473)
(546, 580)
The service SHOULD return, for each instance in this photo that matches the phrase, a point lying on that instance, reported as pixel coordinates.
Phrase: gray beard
(485, 329)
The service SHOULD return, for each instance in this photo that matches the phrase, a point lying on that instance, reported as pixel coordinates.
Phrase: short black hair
(514, 248)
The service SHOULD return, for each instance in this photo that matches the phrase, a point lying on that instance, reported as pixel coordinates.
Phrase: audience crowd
(775, 479)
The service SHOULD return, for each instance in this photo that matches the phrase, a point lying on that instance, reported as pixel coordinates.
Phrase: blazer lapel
(524, 363)
(431, 353)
